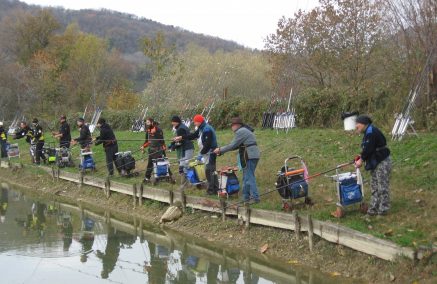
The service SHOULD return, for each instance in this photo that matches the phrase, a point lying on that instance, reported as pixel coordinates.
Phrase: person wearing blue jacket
(376, 156)
(207, 142)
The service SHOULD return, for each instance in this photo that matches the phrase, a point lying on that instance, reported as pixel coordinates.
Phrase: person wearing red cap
(207, 141)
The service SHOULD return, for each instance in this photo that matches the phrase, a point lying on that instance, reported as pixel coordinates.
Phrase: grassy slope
(412, 219)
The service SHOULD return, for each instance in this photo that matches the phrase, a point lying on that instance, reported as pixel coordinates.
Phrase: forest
(362, 55)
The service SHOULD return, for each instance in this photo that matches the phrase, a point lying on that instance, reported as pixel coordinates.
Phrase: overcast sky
(244, 21)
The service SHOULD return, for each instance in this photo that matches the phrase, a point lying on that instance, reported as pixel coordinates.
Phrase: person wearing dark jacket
(64, 134)
(155, 142)
(3, 141)
(184, 148)
(245, 142)
(207, 141)
(38, 141)
(24, 131)
(84, 138)
(109, 142)
(376, 156)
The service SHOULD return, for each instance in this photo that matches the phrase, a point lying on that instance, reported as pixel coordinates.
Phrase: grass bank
(412, 220)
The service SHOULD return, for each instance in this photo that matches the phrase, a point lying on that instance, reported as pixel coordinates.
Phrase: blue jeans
(250, 191)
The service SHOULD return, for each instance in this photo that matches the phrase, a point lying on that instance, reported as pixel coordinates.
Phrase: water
(42, 241)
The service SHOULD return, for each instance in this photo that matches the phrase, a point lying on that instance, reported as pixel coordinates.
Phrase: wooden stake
(183, 200)
(135, 227)
(247, 213)
(140, 198)
(141, 226)
(296, 224)
(223, 205)
(81, 177)
(171, 196)
(134, 194)
(310, 232)
(108, 187)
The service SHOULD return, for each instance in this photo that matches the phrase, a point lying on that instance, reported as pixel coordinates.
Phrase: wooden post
(223, 205)
(311, 278)
(108, 187)
(296, 224)
(171, 196)
(140, 198)
(247, 214)
(135, 227)
(81, 174)
(53, 173)
(310, 232)
(298, 277)
(134, 194)
(107, 215)
(183, 200)
(141, 226)
(58, 173)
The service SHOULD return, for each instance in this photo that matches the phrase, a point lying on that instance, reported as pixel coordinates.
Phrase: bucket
(349, 120)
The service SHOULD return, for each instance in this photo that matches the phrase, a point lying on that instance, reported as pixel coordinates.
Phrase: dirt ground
(330, 258)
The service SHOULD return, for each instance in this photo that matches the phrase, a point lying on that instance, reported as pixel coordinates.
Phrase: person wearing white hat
(3, 141)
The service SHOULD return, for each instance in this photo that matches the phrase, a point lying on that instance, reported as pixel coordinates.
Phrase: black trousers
(110, 152)
(39, 152)
(65, 144)
(4, 153)
(211, 177)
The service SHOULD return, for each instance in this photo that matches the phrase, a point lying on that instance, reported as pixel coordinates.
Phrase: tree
(32, 33)
(334, 46)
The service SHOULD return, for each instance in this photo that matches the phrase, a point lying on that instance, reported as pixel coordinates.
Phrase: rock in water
(172, 214)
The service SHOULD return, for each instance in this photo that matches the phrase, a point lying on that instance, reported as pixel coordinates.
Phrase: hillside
(123, 31)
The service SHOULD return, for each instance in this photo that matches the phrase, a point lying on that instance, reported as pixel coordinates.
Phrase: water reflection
(43, 240)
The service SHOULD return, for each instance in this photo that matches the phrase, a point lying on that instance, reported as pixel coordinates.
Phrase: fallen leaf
(264, 248)
(370, 227)
(389, 232)
(293, 261)
(329, 199)
(334, 274)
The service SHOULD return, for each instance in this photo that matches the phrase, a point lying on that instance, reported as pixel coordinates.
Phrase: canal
(43, 241)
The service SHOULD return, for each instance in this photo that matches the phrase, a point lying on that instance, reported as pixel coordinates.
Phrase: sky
(243, 21)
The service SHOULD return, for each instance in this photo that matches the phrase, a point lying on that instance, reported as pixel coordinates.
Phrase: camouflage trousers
(380, 199)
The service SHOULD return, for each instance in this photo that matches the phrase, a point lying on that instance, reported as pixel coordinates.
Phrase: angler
(107, 138)
(155, 142)
(24, 131)
(84, 138)
(207, 141)
(249, 155)
(38, 141)
(376, 156)
(185, 148)
(3, 141)
(64, 134)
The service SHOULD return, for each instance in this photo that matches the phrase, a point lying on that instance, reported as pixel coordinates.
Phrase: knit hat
(101, 121)
(81, 119)
(198, 118)
(176, 118)
(363, 119)
(35, 120)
